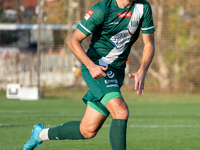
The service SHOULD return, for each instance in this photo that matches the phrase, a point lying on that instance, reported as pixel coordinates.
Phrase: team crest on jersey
(134, 22)
(89, 14)
(124, 14)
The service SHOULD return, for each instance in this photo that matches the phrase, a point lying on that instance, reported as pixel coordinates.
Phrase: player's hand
(139, 81)
(98, 71)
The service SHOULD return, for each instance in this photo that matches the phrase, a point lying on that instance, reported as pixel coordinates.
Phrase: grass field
(171, 124)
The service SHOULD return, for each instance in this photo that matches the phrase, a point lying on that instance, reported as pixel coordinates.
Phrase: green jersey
(114, 30)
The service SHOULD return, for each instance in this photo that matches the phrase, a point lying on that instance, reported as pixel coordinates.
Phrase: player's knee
(89, 135)
(88, 132)
(122, 113)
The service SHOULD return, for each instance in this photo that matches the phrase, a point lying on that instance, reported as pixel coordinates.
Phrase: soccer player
(115, 25)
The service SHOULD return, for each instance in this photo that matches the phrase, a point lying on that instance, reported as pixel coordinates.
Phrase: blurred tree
(177, 37)
(64, 12)
(20, 16)
(191, 18)
(13, 5)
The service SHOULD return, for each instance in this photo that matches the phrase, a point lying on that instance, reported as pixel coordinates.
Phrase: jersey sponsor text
(124, 14)
(89, 14)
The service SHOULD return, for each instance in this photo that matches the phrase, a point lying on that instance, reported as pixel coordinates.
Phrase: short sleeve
(147, 22)
(92, 19)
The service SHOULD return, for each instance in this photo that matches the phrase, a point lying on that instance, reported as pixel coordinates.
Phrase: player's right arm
(74, 44)
(87, 26)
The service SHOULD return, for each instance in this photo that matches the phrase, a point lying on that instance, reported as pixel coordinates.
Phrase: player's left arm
(147, 57)
(147, 29)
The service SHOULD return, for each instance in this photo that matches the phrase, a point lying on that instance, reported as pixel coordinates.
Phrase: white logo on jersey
(110, 74)
(113, 23)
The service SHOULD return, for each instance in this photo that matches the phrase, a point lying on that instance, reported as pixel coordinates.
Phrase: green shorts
(102, 90)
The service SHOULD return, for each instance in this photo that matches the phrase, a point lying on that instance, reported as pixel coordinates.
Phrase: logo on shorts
(110, 74)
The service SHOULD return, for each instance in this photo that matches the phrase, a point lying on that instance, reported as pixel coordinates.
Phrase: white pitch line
(107, 126)
(159, 126)
(164, 126)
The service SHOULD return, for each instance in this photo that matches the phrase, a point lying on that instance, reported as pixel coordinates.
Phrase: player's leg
(119, 111)
(118, 108)
(91, 122)
(108, 89)
(73, 130)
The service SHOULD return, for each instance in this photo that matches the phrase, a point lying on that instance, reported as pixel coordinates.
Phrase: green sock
(69, 130)
(118, 134)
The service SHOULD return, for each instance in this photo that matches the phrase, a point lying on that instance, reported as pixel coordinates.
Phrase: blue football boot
(35, 140)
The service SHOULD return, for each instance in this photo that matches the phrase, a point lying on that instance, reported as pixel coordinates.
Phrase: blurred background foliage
(176, 65)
